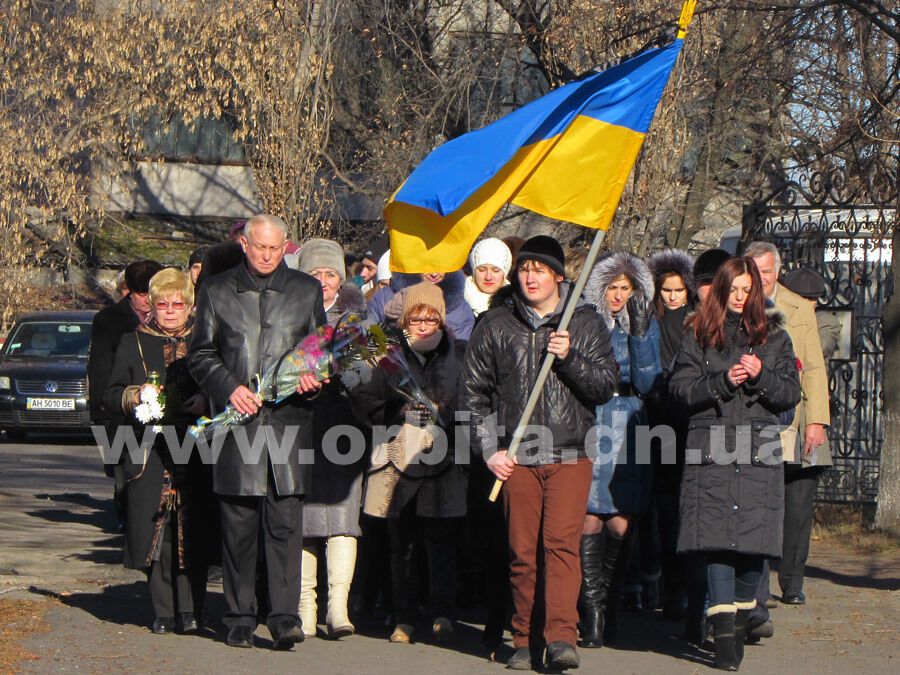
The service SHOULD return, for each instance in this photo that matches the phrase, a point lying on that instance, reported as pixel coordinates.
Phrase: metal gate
(849, 242)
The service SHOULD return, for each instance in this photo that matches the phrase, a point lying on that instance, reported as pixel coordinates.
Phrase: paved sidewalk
(58, 546)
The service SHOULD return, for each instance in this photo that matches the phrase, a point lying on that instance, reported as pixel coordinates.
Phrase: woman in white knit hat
(490, 260)
(331, 511)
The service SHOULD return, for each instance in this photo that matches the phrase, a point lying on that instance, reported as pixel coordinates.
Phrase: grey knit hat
(322, 254)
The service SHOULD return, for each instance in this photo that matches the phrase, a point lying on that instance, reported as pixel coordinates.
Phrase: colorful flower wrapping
(351, 347)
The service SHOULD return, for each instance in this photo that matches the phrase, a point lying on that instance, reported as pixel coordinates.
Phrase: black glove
(638, 315)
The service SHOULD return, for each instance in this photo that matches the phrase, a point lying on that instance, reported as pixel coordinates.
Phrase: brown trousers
(553, 496)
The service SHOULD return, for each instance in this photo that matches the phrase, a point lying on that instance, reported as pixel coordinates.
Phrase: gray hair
(757, 249)
(265, 219)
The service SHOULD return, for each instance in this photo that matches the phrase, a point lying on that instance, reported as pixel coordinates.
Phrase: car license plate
(50, 404)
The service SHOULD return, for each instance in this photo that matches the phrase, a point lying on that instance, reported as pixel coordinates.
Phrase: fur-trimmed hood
(673, 260)
(775, 320)
(608, 268)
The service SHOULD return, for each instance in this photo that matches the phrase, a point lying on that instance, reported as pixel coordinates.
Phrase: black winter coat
(501, 365)
(441, 490)
(144, 479)
(107, 329)
(241, 330)
(732, 488)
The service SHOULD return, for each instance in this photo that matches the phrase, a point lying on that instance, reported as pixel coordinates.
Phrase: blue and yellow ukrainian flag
(566, 155)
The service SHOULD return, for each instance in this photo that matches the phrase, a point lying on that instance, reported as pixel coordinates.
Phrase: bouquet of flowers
(401, 380)
(325, 353)
(152, 407)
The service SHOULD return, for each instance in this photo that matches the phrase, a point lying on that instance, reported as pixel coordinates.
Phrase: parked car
(43, 373)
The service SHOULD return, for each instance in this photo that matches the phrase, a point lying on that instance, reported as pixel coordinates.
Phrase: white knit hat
(384, 267)
(491, 251)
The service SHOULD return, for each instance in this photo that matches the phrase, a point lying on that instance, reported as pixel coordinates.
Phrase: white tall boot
(307, 607)
(341, 559)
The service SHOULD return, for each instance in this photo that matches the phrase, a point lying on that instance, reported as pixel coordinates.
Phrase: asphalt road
(59, 545)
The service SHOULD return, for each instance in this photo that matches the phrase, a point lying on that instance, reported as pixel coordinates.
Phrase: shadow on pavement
(129, 605)
(101, 514)
(871, 579)
(648, 631)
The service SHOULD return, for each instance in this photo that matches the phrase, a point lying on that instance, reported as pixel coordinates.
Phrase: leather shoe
(286, 633)
(239, 636)
(188, 623)
(793, 598)
(562, 655)
(757, 631)
(520, 660)
(163, 625)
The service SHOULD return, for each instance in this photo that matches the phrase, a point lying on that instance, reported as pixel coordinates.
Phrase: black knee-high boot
(591, 599)
(600, 555)
(615, 567)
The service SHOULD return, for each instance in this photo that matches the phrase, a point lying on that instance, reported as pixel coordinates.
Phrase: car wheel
(15, 435)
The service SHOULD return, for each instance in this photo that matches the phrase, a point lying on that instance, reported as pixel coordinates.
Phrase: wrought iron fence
(815, 222)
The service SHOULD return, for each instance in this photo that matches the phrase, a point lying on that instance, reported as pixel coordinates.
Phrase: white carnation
(143, 414)
(150, 409)
(149, 395)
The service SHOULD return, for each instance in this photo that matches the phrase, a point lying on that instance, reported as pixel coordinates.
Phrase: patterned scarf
(176, 342)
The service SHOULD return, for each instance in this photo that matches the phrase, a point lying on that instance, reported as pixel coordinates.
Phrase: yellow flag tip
(687, 14)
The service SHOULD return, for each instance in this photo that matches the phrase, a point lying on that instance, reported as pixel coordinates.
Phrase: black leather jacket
(501, 365)
(239, 331)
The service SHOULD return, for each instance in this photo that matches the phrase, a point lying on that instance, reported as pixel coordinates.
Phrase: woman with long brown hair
(735, 373)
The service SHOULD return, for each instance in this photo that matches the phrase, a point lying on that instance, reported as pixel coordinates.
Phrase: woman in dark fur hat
(676, 297)
(621, 288)
(673, 277)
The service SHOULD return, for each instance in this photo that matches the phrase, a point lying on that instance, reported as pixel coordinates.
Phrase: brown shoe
(402, 634)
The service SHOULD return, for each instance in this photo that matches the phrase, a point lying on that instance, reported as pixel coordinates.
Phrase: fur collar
(350, 299)
(775, 320)
(608, 268)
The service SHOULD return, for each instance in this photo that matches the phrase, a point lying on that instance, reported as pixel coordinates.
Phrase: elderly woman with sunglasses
(170, 506)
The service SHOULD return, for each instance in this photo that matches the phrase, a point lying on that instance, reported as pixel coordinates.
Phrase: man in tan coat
(810, 419)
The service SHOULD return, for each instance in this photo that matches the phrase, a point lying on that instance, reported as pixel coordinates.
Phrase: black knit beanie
(545, 250)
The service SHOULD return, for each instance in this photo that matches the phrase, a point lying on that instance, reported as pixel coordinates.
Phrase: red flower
(389, 365)
(799, 365)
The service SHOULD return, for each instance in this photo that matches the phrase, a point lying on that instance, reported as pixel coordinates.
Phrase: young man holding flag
(546, 485)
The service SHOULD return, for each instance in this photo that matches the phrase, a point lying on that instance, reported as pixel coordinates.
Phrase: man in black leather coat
(247, 317)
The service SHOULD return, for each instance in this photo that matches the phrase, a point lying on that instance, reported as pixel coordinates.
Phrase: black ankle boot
(590, 602)
(724, 635)
(741, 619)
